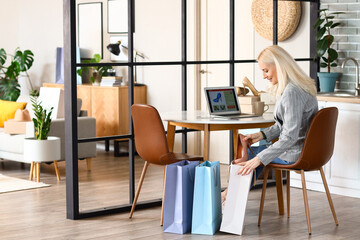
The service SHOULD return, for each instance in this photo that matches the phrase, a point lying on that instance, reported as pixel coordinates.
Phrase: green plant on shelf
(325, 24)
(94, 71)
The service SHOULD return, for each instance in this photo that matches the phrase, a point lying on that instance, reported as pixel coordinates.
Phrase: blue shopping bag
(207, 199)
(179, 190)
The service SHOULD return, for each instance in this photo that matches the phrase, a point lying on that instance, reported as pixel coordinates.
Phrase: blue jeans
(260, 168)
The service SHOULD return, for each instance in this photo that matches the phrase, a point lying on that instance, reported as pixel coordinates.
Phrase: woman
(294, 110)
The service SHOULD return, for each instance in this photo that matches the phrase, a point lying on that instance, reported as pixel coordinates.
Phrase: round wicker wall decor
(289, 14)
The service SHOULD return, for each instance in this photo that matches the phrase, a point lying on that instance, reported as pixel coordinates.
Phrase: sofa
(12, 145)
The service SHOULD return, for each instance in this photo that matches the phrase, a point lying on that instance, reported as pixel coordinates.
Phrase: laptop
(223, 102)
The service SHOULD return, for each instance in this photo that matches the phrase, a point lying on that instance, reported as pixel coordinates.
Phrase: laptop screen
(222, 100)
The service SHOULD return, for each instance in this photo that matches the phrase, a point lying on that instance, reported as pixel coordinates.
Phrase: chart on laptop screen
(222, 100)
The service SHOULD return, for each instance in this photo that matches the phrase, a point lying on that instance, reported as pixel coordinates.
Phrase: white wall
(9, 25)
(35, 25)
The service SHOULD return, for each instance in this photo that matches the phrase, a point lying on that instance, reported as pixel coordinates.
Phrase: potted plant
(41, 148)
(96, 72)
(324, 51)
(42, 119)
(9, 75)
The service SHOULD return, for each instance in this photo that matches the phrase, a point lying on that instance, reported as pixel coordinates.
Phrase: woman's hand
(249, 166)
(253, 138)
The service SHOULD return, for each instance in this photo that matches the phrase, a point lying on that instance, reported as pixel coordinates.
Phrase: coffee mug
(260, 108)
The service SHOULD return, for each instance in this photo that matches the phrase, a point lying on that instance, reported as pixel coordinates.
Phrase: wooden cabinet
(343, 170)
(109, 105)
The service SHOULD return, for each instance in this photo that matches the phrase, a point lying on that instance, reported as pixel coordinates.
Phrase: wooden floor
(40, 213)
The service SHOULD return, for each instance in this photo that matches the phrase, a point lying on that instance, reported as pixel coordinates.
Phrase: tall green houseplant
(20, 62)
(324, 51)
(42, 119)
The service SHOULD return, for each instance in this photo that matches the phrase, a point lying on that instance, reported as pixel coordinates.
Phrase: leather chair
(151, 144)
(317, 151)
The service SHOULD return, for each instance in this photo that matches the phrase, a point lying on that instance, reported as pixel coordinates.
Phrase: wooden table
(202, 121)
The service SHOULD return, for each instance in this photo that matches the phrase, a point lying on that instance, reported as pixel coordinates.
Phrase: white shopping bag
(236, 200)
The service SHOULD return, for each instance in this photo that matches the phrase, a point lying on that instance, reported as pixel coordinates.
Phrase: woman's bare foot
(223, 195)
(242, 150)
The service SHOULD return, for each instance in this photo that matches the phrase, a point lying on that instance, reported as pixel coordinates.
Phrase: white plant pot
(42, 150)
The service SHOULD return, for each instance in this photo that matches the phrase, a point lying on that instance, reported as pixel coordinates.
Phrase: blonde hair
(287, 71)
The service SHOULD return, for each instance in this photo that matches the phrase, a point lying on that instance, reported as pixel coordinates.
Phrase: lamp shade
(114, 48)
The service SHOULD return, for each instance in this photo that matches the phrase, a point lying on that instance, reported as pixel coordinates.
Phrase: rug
(11, 184)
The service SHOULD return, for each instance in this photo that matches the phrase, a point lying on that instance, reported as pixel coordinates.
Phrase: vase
(38, 151)
(42, 150)
(327, 81)
(97, 78)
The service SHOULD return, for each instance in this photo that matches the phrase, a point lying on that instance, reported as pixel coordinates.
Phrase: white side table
(38, 151)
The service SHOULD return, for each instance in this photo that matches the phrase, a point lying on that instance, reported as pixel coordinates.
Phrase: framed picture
(123, 56)
(90, 30)
(117, 16)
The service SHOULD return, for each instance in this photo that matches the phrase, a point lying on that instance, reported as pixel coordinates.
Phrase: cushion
(8, 109)
(52, 97)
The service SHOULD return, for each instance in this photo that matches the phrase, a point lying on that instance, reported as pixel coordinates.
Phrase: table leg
(279, 190)
(171, 136)
(235, 138)
(206, 141)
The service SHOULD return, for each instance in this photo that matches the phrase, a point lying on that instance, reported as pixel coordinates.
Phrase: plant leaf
(338, 12)
(13, 70)
(3, 56)
(97, 58)
(332, 54)
(9, 90)
(329, 39)
(333, 65)
(328, 24)
(324, 59)
(323, 65)
(329, 17)
(318, 22)
(335, 25)
(79, 72)
(320, 33)
(25, 59)
(321, 47)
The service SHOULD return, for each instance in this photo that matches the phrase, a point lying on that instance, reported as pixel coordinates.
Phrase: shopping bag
(179, 190)
(236, 200)
(207, 199)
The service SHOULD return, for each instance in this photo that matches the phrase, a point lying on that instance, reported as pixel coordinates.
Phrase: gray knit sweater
(293, 114)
